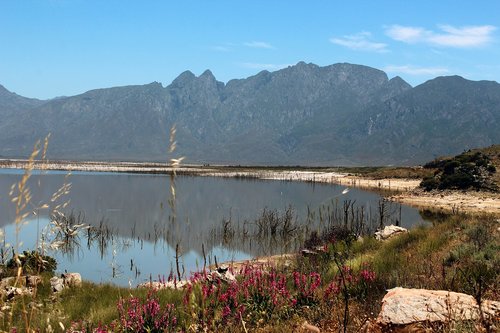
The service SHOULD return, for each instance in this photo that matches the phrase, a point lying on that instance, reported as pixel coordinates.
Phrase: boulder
(221, 273)
(72, 279)
(389, 231)
(8, 281)
(32, 280)
(26, 280)
(57, 284)
(65, 281)
(402, 306)
(11, 292)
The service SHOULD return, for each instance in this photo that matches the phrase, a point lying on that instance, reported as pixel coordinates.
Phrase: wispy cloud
(406, 34)
(460, 37)
(414, 70)
(259, 45)
(360, 42)
(261, 66)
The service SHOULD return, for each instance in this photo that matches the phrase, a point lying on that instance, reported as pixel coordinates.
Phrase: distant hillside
(12, 102)
(341, 114)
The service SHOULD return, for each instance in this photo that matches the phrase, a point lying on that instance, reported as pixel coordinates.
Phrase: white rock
(163, 285)
(72, 279)
(310, 328)
(402, 306)
(222, 273)
(389, 231)
(8, 281)
(33, 280)
(308, 253)
(11, 292)
(57, 284)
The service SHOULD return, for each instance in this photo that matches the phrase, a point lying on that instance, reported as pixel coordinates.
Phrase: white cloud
(261, 66)
(360, 42)
(406, 34)
(460, 37)
(413, 70)
(259, 45)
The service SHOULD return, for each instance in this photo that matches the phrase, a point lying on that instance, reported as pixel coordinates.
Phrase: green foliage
(476, 263)
(391, 262)
(366, 245)
(469, 170)
(429, 183)
(332, 234)
(33, 262)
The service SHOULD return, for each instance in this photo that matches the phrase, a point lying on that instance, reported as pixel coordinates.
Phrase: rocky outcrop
(11, 292)
(11, 287)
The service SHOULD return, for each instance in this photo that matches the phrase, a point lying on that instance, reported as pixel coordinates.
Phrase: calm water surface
(143, 232)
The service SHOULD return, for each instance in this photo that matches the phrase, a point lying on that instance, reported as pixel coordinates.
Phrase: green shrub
(34, 263)
(459, 180)
(476, 263)
(464, 171)
(429, 183)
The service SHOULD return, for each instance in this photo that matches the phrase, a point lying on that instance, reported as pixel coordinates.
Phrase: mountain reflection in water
(215, 216)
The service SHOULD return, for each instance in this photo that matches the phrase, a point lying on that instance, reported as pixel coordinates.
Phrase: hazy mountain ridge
(10, 101)
(444, 113)
(304, 114)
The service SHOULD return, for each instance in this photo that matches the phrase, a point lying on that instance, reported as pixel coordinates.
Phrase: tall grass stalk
(175, 163)
(20, 194)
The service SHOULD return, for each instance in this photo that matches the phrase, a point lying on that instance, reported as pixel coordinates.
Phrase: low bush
(469, 170)
(33, 262)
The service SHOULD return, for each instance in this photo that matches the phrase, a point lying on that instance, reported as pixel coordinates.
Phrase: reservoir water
(136, 227)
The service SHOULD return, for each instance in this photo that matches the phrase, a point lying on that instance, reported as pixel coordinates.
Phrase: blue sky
(51, 48)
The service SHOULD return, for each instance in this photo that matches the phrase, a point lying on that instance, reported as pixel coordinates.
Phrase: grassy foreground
(339, 287)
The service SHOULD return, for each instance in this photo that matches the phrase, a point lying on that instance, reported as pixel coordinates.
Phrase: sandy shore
(452, 201)
(406, 188)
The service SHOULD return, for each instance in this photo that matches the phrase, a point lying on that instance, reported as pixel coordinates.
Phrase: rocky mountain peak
(398, 82)
(183, 79)
(207, 75)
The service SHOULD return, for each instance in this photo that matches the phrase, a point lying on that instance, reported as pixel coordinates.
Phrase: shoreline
(402, 190)
(452, 201)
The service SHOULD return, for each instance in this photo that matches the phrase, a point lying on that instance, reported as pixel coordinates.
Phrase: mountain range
(342, 114)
